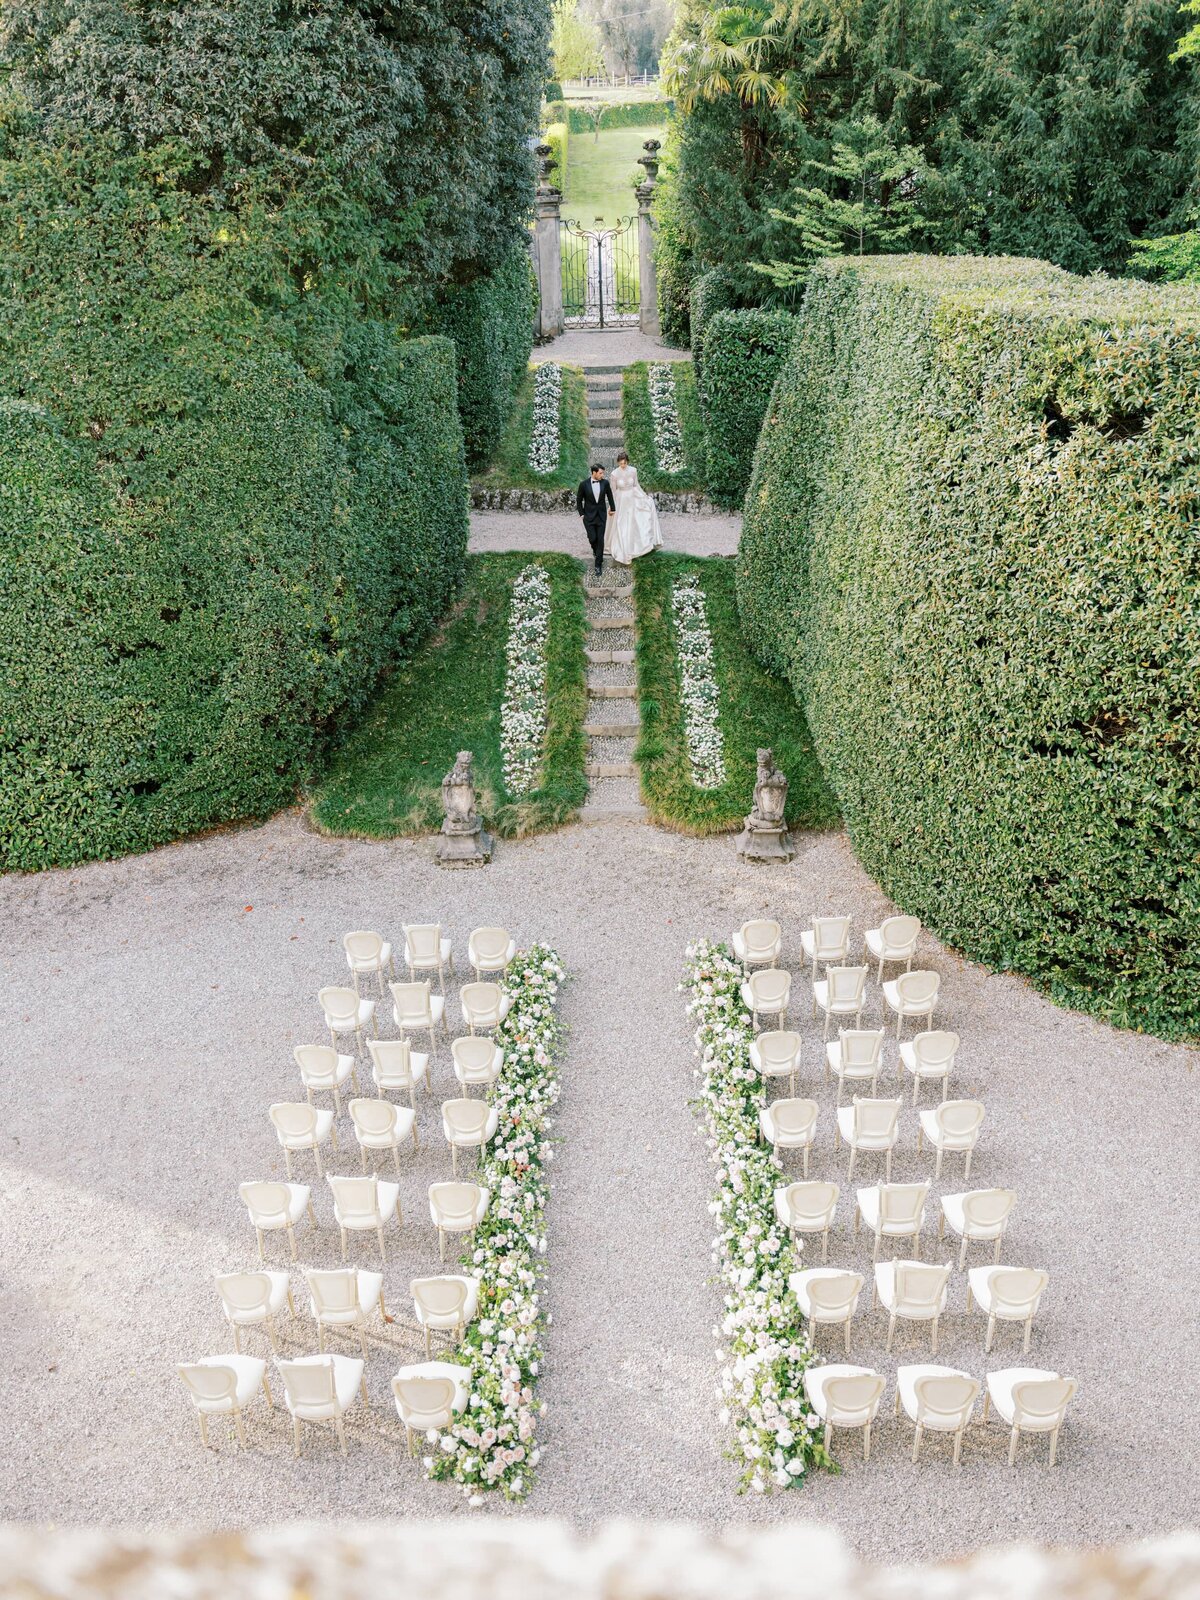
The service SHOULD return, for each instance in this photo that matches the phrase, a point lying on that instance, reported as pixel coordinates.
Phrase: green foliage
(557, 136)
(711, 292)
(743, 352)
(511, 470)
(385, 781)
(622, 114)
(1171, 258)
(638, 423)
(756, 709)
(673, 263)
(551, 90)
(491, 322)
(970, 544)
(575, 43)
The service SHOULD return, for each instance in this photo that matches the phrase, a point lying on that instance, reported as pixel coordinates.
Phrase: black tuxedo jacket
(591, 508)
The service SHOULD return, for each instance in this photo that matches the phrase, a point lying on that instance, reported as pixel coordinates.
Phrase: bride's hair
(622, 457)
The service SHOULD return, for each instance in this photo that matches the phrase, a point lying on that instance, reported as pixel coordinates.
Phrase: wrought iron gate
(600, 274)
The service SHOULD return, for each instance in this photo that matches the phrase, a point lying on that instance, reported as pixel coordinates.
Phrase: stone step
(610, 769)
(610, 658)
(609, 592)
(600, 370)
(596, 816)
(612, 691)
(610, 624)
(626, 729)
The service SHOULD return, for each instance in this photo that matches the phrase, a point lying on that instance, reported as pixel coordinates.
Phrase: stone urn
(765, 837)
(463, 842)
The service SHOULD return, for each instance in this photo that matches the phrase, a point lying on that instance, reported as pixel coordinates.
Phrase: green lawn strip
(510, 468)
(638, 420)
(384, 781)
(601, 172)
(756, 709)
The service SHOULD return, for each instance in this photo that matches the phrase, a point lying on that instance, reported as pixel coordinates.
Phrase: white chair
(223, 1386)
(978, 1215)
(468, 1125)
(429, 1395)
(840, 994)
(414, 1006)
(826, 1295)
(826, 943)
(893, 1211)
(490, 950)
(275, 1206)
(253, 1300)
(953, 1126)
(766, 993)
(912, 1292)
(484, 1005)
(380, 1125)
(776, 1054)
(807, 1208)
(790, 1125)
(346, 1012)
(456, 1208)
(855, 1056)
(872, 1125)
(1030, 1401)
(1006, 1294)
(912, 994)
(845, 1397)
(445, 1305)
(939, 1398)
(344, 1298)
(397, 1066)
(477, 1061)
(300, 1126)
(321, 1067)
(363, 1205)
(321, 1389)
(895, 939)
(758, 943)
(928, 1057)
(426, 950)
(368, 952)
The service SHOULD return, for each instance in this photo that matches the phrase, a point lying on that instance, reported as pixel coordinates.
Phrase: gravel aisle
(694, 534)
(150, 1019)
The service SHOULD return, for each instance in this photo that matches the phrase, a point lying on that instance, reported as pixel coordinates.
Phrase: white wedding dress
(634, 530)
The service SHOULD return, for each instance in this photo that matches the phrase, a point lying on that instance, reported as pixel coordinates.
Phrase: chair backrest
(373, 1117)
(439, 1297)
(244, 1292)
(875, 1119)
(946, 1397)
(920, 1285)
(770, 986)
(935, 1050)
(392, 1061)
(760, 937)
(862, 1048)
(811, 1202)
(293, 1119)
(455, 1202)
(209, 1385)
(467, 1118)
(831, 937)
(778, 1047)
(901, 1203)
(424, 1402)
(363, 947)
(794, 1117)
(339, 1004)
(846, 984)
(356, 1199)
(317, 1063)
(917, 989)
(490, 944)
(472, 1053)
(853, 1396)
(835, 1293)
(424, 941)
(334, 1291)
(1016, 1291)
(1042, 1401)
(412, 1003)
(481, 1001)
(987, 1208)
(266, 1202)
(959, 1119)
(309, 1382)
(899, 935)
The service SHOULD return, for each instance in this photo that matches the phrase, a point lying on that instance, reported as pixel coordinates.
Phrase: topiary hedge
(970, 542)
(625, 114)
(557, 136)
(552, 90)
(491, 323)
(743, 352)
(711, 292)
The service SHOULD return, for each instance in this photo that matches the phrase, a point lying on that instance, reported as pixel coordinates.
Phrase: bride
(635, 529)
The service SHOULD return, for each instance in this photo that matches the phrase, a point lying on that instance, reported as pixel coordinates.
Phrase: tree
(575, 43)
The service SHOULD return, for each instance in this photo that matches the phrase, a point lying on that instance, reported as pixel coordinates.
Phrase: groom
(595, 504)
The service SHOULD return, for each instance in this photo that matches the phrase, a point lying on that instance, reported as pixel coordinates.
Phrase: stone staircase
(606, 433)
(612, 723)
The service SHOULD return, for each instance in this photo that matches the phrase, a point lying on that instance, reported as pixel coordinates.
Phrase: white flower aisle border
(699, 694)
(523, 711)
(545, 435)
(764, 1351)
(664, 408)
(491, 1445)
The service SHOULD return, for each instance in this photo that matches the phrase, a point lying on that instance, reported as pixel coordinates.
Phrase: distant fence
(628, 80)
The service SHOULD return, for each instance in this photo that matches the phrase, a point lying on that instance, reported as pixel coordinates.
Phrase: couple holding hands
(625, 526)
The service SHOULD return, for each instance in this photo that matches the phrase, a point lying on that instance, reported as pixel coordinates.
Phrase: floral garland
(668, 435)
(764, 1350)
(547, 397)
(698, 691)
(490, 1446)
(523, 712)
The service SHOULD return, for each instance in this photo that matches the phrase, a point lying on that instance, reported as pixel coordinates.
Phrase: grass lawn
(510, 467)
(756, 709)
(385, 779)
(615, 94)
(639, 428)
(599, 174)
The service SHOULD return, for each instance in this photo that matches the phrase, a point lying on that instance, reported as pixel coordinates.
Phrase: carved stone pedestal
(463, 842)
(764, 837)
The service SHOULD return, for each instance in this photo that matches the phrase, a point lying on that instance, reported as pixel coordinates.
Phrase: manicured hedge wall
(557, 136)
(491, 323)
(971, 542)
(551, 90)
(627, 114)
(711, 292)
(743, 352)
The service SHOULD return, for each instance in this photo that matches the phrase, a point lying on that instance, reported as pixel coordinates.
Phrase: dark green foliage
(557, 136)
(491, 322)
(756, 709)
(711, 292)
(970, 542)
(385, 781)
(552, 90)
(743, 352)
(638, 423)
(674, 265)
(626, 114)
(510, 467)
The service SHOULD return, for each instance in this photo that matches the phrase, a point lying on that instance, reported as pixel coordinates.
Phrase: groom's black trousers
(594, 528)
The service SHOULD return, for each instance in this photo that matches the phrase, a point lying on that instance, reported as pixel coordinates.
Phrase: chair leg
(396, 1157)
(828, 1435)
(935, 1336)
(362, 1150)
(320, 1338)
(825, 1247)
(237, 1339)
(238, 1428)
(343, 1244)
(916, 1239)
(408, 1434)
(846, 1326)
(987, 1402)
(442, 1243)
(937, 1165)
(267, 1392)
(337, 1101)
(382, 1248)
(887, 1166)
(996, 1255)
(806, 1161)
(853, 1157)
(891, 1331)
(258, 1232)
(916, 1443)
(362, 1385)
(312, 1217)
(962, 1254)
(991, 1329)
(1053, 1446)
(1028, 1331)
(867, 1442)
(454, 1159)
(1012, 1445)
(203, 1429)
(291, 1233)
(967, 1168)
(428, 1351)
(362, 1340)
(271, 1335)
(382, 1306)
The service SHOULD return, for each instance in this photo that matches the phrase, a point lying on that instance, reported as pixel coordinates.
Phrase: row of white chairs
(427, 949)
(397, 1067)
(415, 1008)
(379, 1125)
(856, 1056)
(826, 942)
(842, 992)
(873, 1127)
(896, 1211)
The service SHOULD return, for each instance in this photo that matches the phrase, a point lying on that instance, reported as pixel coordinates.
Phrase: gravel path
(607, 347)
(694, 534)
(151, 1014)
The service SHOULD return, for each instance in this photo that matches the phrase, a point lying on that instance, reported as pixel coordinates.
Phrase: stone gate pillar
(647, 280)
(547, 250)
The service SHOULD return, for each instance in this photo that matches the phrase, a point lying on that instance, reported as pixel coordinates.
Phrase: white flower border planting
(545, 437)
(664, 408)
(698, 692)
(763, 1350)
(491, 1445)
(523, 712)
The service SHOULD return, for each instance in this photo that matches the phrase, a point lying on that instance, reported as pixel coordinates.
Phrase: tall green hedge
(623, 114)
(710, 292)
(558, 137)
(970, 542)
(491, 323)
(743, 352)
